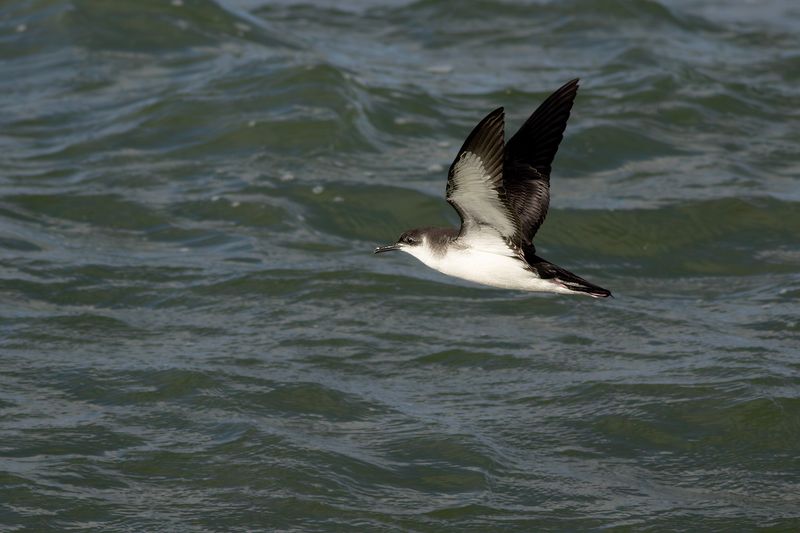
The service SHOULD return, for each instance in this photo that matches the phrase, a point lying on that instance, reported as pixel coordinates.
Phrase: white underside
(485, 267)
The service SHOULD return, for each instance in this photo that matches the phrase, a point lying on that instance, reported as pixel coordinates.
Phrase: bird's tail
(564, 278)
(575, 283)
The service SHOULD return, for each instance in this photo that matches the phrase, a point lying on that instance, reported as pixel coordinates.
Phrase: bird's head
(405, 243)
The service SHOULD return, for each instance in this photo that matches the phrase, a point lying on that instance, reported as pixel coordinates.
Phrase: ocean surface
(196, 336)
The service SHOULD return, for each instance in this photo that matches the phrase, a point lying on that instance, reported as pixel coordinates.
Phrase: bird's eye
(408, 240)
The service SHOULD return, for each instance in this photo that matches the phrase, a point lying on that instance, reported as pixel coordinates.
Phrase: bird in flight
(501, 192)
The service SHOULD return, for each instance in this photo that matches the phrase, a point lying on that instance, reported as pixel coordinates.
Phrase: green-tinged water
(196, 336)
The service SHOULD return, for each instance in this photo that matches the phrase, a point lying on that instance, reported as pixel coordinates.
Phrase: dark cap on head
(411, 237)
(438, 239)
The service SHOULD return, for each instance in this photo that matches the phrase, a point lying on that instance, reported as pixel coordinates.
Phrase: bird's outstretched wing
(475, 188)
(528, 156)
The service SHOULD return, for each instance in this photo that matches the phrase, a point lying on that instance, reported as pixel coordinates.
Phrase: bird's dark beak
(391, 247)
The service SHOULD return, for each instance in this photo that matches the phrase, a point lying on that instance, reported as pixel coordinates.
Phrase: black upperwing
(475, 187)
(529, 154)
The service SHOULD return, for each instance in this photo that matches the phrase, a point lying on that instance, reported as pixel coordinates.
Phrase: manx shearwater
(501, 191)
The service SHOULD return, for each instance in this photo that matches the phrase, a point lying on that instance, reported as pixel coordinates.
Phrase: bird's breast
(497, 270)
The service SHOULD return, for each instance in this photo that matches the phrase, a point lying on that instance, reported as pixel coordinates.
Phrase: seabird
(501, 192)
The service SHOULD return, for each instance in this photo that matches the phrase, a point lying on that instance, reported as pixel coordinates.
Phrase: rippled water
(195, 335)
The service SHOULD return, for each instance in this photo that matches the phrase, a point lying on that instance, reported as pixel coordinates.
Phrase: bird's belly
(492, 269)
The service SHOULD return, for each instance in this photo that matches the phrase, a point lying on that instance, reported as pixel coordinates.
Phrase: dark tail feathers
(565, 278)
